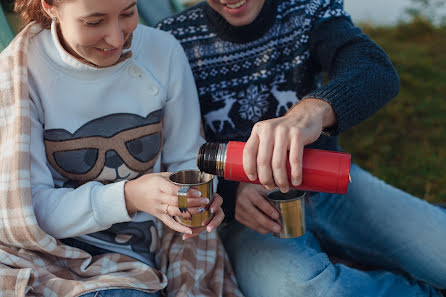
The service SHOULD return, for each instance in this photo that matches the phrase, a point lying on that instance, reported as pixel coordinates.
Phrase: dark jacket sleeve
(361, 78)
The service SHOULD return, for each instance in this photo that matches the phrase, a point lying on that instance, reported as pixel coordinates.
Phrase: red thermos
(322, 170)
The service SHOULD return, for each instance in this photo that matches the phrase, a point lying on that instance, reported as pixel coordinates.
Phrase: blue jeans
(402, 237)
(120, 293)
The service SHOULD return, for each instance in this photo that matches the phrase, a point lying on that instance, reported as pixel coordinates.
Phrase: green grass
(405, 142)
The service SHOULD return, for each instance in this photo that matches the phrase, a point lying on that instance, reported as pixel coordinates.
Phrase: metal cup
(291, 207)
(196, 179)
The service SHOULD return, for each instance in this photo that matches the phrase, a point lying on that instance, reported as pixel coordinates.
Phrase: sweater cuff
(227, 190)
(335, 93)
(109, 205)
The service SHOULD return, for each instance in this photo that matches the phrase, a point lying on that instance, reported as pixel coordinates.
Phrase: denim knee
(269, 266)
(266, 266)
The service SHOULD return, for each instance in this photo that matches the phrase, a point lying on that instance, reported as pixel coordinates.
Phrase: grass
(404, 143)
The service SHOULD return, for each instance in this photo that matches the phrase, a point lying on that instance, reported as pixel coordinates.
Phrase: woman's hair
(31, 10)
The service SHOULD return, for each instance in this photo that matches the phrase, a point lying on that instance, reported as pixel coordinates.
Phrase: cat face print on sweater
(108, 149)
(140, 237)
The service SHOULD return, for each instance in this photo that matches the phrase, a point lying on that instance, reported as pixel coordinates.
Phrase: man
(257, 66)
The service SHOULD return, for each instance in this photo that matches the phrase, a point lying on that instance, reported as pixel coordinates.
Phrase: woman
(109, 103)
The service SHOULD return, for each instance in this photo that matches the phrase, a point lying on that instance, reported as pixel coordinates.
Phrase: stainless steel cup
(201, 181)
(291, 207)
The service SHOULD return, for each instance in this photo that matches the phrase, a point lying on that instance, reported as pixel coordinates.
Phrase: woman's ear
(49, 9)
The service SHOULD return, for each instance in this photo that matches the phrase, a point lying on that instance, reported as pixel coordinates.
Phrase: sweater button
(135, 71)
(153, 90)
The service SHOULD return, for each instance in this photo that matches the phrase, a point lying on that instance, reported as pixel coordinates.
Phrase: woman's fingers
(217, 219)
(209, 225)
(197, 202)
(195, 232)
(196, 210)
(174, 211)
(172, 190)
(174, 225)
(194, 199)
(216, 203)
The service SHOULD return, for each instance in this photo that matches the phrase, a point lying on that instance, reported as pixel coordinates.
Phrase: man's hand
(254, 211)
(273, 142)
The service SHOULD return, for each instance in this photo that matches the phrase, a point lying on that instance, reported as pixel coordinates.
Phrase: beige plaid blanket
(32, 263)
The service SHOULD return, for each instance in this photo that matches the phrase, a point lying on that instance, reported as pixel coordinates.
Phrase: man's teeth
(106, 49)
(236, 5)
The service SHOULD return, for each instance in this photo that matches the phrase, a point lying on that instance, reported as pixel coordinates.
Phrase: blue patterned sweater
(257, 72)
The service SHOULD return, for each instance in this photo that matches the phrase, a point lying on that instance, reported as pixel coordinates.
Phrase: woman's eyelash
(98, 22)
(93, 23)
(129, 14)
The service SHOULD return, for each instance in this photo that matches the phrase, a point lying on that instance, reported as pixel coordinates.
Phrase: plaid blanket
(32, 263)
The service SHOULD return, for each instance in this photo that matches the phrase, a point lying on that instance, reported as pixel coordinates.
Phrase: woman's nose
(115, 36)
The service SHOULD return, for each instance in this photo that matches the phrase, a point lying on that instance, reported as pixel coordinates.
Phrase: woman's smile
(107, 51)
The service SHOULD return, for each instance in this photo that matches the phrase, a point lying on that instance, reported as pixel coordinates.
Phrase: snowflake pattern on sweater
(241, 83)
(258, 71)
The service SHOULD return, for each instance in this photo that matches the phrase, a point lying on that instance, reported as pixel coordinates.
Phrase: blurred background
(404, 143)
(386, 12)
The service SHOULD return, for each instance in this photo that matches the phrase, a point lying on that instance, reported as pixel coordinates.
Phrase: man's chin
(238, 22)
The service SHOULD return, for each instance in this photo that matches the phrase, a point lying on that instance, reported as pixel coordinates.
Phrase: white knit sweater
(72, 100)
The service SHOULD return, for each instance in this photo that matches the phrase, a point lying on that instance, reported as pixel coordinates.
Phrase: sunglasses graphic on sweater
(107, 149)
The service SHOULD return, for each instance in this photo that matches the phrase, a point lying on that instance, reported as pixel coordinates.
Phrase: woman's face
(96, 30)
(237, 12)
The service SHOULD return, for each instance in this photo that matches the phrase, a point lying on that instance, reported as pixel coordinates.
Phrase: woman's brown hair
(31, 10)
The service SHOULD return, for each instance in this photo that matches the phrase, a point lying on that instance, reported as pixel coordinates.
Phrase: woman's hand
(273, 142)
(214, 221)
(154, 194)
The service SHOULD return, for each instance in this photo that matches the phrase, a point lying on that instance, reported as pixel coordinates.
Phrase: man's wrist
(320, 107)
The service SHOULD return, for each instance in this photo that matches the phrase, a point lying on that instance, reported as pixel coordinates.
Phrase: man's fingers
(264, 159)
(250, 156)
(267, 223)
(295, 159)
(267, 208)
(279, 160)
(246, 212)
(257, 220)
(251, 225)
